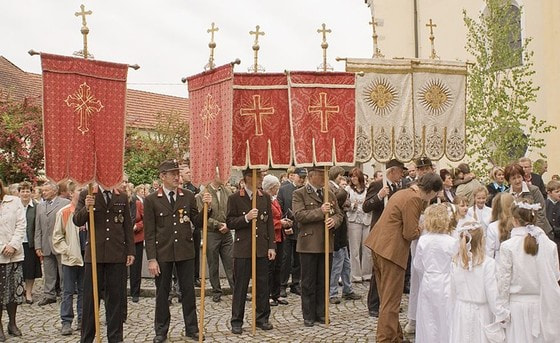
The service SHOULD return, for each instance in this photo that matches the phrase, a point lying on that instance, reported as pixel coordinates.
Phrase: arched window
(515, 42)
(512, 40)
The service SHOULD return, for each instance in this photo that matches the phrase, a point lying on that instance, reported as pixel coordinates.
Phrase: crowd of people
(480, 262)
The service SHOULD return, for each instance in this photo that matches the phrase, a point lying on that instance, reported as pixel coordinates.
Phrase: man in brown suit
(389, 241)
(168, 213)
(240, 214)
(114, 245)
(309, 211)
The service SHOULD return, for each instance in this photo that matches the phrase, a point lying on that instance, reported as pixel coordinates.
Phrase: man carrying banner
(168, 213)
(115, 251)
(309, 211)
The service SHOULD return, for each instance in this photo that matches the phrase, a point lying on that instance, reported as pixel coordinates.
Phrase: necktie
(107, 196)
(171, 198)
(320, 193)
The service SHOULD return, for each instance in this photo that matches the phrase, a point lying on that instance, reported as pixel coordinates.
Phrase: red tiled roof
(141, 107)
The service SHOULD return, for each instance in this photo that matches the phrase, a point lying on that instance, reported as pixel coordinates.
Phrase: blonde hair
(525, 217)
(474, 237)
(501, 211)
(458, 200)
(436, 219)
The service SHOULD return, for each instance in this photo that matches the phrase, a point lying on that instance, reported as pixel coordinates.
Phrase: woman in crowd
(497, 184)
(136, 267)
(448, 191)
(12, 231)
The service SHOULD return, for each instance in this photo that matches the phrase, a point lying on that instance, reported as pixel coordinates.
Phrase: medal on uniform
(264, 217)
(121, 218)
(116, 219)
(331, 211)
(181, 218)
(185, 218)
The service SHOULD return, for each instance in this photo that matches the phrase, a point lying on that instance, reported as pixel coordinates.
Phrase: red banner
(323, 118)
(261, 121)
(84, 119)
(210, 96)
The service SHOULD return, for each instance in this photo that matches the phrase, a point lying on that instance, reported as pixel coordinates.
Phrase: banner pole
(93, 249)
(327, 247)
(254, 253)
(203, 271)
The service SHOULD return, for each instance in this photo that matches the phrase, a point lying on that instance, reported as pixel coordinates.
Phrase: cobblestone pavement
(350, 321)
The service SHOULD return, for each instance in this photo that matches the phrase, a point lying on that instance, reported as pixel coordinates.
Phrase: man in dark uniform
(168, 213)
(375, 203)
(114, 245)
(240, 214)
(309, 211)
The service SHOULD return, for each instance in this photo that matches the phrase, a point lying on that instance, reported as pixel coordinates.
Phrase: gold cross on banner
(209, 112)
(84, 104)
(324, 110)
(257, 111)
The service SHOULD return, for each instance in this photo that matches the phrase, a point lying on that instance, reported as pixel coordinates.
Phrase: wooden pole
(203, 272)
(93, 249)
(327, 247)
(254, 253)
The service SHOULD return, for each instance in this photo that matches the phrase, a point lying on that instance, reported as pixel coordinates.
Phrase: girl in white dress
(479, 211)
(461, 210)
(474, 289)
(434, 253)
(501, 225)
(528, 274)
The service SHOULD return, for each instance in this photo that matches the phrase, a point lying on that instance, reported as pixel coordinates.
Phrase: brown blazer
(168, 231)
(114, 237)
(397, 227)
(238, 205)
(306, 205)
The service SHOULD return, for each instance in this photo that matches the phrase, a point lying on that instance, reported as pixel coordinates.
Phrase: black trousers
(290, 263)
(110, 283)
(313, 284)
(373, 294)
(185, 277)
(274, 272)
(241, 276)
(136, 270)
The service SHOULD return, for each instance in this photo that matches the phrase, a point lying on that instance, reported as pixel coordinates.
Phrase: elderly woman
(12, 231)
(271, 185)
(514, 175)
(497, 185)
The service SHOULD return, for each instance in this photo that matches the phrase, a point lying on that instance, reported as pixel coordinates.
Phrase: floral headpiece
(527, 206)
(465, 230)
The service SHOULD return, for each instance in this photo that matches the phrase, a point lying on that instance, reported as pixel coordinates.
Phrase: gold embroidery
(324, 110)
(257, 111)
(435, 97)
(209, 112)
(84, 104)
(381, 96)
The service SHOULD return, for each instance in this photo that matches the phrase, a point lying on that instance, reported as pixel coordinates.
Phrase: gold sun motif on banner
(381, 96)
(435, 97)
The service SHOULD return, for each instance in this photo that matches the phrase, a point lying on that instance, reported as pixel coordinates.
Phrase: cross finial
(212, 46)
(257, 33)
(431, 25)
(256, 48)
(376, 51)
(323, 30)
(83, 13)
(84, 31)
(211, 31)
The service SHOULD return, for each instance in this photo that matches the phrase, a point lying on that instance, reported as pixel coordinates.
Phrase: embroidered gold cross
(209, 112)
(257, 111)
(324, 110)
(84, 104)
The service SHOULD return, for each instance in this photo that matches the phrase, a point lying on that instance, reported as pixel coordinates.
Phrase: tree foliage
(500, 124)
(144, 151)
(21, 142)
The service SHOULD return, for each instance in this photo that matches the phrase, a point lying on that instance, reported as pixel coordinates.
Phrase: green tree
(21, 143)
(144, 151)
(500, 125)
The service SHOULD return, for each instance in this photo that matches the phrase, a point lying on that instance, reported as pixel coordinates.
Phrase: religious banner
(84, 119)
(323, 112)
(384, 113)
(439, 90)
(261, 121)
(211, 96)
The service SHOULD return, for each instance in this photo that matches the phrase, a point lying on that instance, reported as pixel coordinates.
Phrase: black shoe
(217, 297)
(135, 299)
(197, 282)
(46, 301)
(282, 301)
(194, 335)
(283, 293)
(236, 330)
(265, 326)
(14, 330)
(321, 320)
(273, 302)
(30, 302)
(296, 290)
(308, 323)
(374, 313)
(160, 339)
(351, 296)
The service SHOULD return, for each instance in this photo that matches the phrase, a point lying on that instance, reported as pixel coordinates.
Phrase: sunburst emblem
(435, 97)
(381, 96)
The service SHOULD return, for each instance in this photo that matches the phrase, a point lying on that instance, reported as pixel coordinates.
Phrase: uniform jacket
(168, 231)
(284, 197)
(114, 239)
(239, 204)
(397, 227)
(30, 229)
(45, 217)
(12, 227)
(372, 203)
(66, 238)
(306, 205)
(219, 208)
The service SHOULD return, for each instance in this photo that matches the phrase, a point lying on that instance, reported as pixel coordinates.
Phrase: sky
(168, 38)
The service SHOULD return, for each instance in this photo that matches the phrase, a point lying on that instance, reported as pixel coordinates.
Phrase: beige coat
(66, 238)
(12, 227)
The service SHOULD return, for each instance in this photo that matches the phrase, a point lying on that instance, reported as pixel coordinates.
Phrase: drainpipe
(416, 28)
